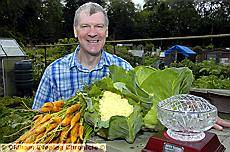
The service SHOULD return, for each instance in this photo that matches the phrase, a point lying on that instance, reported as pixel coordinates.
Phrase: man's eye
(100, 26)
(84, 26)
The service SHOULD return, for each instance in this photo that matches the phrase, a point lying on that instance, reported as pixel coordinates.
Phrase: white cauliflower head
(111, 104)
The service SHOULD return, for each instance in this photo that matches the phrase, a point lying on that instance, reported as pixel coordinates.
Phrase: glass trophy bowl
(186, 116)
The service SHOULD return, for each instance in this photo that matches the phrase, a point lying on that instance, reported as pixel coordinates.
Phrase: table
(142, 139)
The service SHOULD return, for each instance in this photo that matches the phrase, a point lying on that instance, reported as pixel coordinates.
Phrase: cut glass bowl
(186, 116)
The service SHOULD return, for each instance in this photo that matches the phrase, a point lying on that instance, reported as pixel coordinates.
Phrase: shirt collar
(104, 61)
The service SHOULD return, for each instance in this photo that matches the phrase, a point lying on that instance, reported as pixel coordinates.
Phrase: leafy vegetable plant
(143, 87)
(162, 84)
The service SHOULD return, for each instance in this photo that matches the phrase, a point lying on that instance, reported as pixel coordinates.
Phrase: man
(88, 63)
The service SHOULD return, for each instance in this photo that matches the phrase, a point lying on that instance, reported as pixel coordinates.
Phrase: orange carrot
(59, 103)
(75, 119)
(56, 109)
(38, 120)
(56, 119)
(23, 137)
(81, 131)
(64, 134)
(46, 118)
(45, 109)
(36, 117)
(75, 129)
(40, 129)
(67, 120)
(48, 104)
(73, 108)
(30, 139)
(74, 133)
(39, 136)
(51, 127)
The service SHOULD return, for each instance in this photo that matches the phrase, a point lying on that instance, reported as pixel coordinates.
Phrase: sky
(141, 2)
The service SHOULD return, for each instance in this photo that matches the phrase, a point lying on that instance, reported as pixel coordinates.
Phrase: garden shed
(10, 53)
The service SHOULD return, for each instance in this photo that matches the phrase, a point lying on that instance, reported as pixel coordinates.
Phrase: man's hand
(221, 123)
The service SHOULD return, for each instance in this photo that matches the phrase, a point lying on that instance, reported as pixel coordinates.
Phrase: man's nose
(92, 32)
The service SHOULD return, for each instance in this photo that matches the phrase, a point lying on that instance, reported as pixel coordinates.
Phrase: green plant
(14, 115)
(210, 47)
(208, 74)
(212, 82)
(150, 60)
(209, 67)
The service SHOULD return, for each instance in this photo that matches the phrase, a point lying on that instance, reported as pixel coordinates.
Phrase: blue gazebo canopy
(182, 49)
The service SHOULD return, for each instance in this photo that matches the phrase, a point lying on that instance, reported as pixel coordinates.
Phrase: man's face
(91, 32)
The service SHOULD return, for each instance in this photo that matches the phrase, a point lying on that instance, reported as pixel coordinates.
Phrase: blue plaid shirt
(66, 75)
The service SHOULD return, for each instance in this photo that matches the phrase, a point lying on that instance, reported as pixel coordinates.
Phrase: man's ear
(75, 31)
(107, 33)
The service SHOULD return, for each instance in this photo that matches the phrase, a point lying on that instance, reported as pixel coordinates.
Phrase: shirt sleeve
(124, 64)
(128, 66)
(44, 91)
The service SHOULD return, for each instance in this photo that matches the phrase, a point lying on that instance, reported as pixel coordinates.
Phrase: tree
(215, 19)
(52, 20)
(69, 12)
(37, 21)
(185, 17)
(121, 14)
(142, 26)
(10, 11)
(161, 20)
(150, 4)
(28, 23)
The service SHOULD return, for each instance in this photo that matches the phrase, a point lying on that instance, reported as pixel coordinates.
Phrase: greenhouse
(10, 53)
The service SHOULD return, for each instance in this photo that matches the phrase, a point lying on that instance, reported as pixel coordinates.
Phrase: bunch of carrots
(56, 123)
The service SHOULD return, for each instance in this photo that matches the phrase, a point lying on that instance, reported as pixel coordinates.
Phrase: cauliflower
(111, 104)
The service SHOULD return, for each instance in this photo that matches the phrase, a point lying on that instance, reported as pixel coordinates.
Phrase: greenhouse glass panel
(2, 52)
(8, 43)
(10, 48)
(14, 51)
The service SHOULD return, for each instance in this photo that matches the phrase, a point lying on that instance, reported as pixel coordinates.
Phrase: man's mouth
(93, 41)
